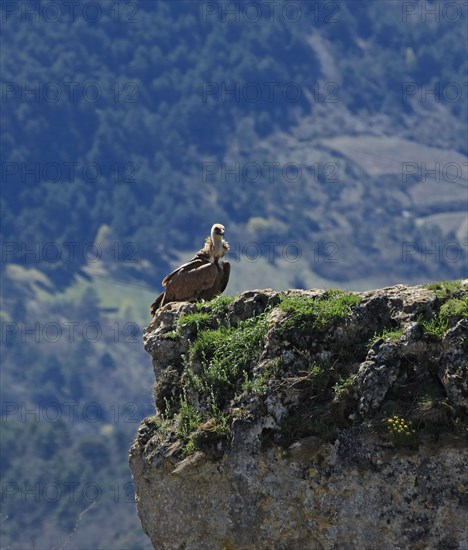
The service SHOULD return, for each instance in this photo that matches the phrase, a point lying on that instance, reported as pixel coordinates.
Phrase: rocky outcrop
(308, 419)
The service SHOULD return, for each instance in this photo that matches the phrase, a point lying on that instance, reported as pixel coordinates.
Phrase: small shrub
(444, 289)
(454, 308)
(255, 385)
(219, 306)
(189, 448)
(387, 334)
(189, 419)
(320, 375)
(224, 354)
(432, 407)
(208, 342)
(317, 313)
(343, 386)
(194, 321)
(436, 327)
(259, 384)
(402, 430)
(217, 361)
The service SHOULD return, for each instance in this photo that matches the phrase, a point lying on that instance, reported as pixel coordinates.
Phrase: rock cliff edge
(308, 420)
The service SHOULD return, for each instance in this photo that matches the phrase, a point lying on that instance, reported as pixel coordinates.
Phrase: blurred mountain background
(329, 137)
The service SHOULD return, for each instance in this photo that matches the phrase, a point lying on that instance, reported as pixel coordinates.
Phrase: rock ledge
(308, 419)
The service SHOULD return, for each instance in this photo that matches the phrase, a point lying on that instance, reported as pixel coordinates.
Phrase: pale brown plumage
(202, 278)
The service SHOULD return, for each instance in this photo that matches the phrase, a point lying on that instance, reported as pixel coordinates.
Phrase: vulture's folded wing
(219, 284)
(197, 261)
(188, 283)
(224, 276)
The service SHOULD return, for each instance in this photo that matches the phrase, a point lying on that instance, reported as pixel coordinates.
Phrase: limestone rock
(335, 422)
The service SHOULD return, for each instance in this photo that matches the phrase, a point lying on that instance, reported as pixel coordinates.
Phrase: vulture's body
(202, 278)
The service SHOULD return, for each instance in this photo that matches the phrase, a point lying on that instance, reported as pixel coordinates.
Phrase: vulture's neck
(214, 247)
(218, 248)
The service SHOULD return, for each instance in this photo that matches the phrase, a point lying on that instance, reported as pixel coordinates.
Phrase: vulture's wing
(224, 276)
(219, 284)
(198, 260)
(188, 283)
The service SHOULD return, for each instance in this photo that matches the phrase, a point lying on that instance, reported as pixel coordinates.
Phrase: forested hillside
(329, 137)
(129, 119)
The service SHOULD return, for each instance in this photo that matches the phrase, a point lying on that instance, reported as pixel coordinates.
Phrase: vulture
(202, 278)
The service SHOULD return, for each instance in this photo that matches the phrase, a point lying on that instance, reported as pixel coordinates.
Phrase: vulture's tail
(157, 303)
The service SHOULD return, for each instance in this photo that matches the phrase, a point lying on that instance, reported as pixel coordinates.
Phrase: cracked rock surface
(299, 452)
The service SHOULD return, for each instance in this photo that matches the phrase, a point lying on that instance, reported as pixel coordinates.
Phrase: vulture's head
(217, 231)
